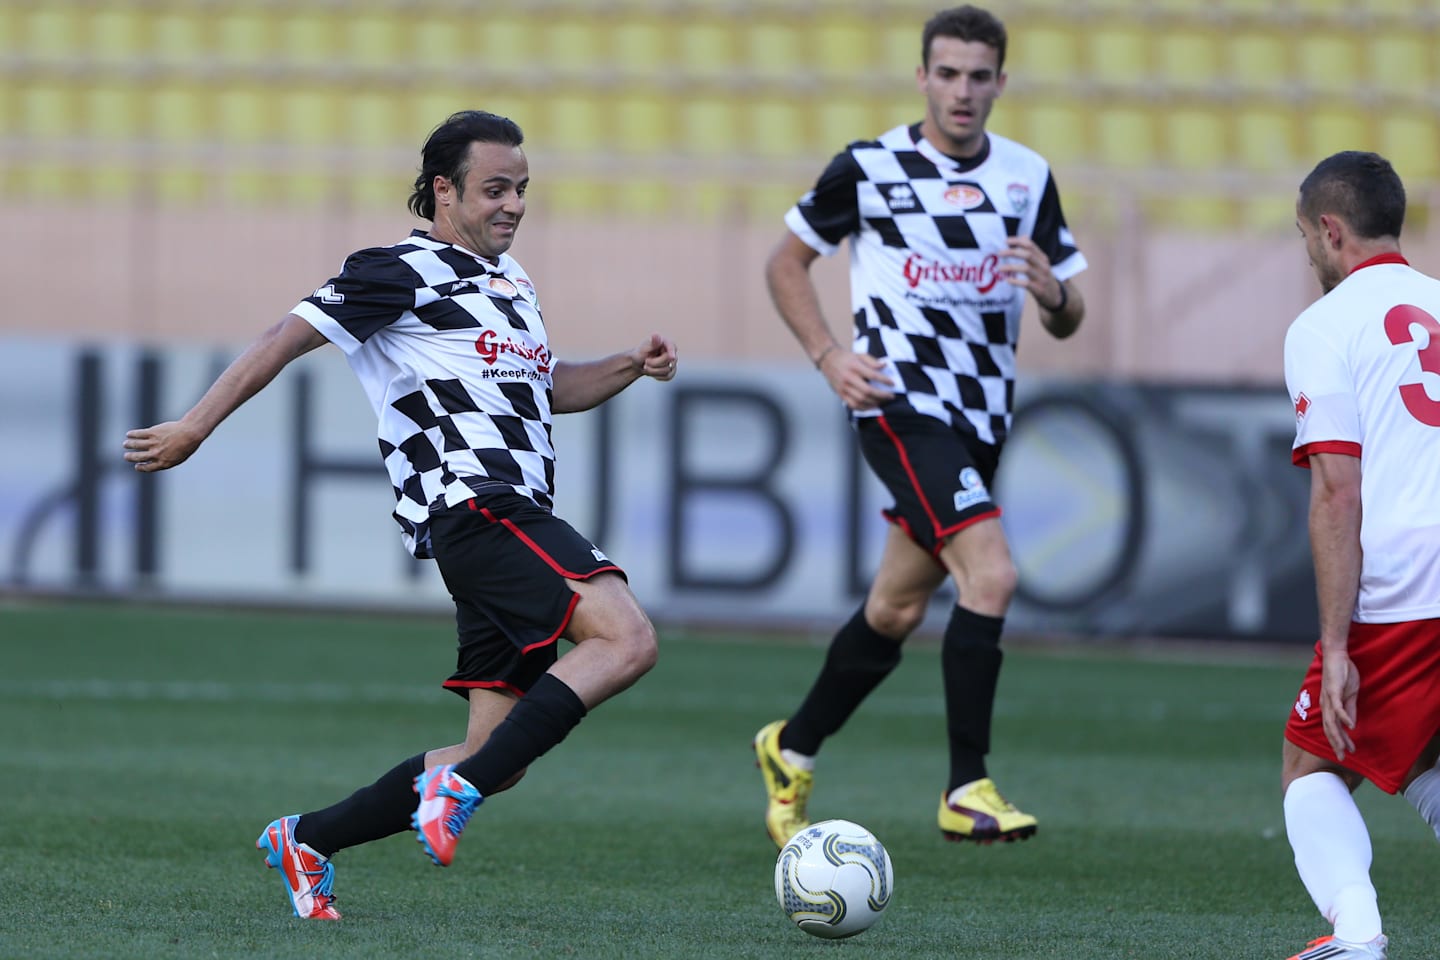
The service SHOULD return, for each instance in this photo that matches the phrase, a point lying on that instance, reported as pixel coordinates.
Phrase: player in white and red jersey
(949, 228)
(1362, 366)
(445, 334)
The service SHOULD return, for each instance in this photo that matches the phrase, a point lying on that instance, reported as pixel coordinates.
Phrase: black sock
(970, 664)
(372, 812)
(859, 658)
(542, 718)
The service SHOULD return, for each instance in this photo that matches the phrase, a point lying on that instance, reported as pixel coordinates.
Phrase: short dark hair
(966, 23)
(447, 153)
(1358, 187)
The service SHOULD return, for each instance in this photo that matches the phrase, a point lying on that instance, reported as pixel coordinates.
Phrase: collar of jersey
(1378, 259)
(496, 266)
(941, 159)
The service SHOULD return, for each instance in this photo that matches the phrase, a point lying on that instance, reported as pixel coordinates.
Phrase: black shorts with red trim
(507, 562)
(940, 477)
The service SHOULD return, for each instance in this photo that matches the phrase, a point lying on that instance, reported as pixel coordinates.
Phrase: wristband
(1064, 299)
(821, 356)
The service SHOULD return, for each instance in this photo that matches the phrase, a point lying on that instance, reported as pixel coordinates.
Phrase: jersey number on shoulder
(1397, 327)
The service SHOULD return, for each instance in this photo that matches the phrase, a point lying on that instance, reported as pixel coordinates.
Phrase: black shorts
(939, 476)
(507, 562)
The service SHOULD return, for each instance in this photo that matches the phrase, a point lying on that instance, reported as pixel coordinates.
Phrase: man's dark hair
(967, 23)
(1358, 187)
(447, 153)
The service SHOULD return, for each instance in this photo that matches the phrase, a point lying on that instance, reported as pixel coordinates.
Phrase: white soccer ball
(833, 879)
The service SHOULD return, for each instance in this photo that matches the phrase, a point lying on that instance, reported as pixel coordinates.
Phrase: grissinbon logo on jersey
(984, 274)
(490, 346)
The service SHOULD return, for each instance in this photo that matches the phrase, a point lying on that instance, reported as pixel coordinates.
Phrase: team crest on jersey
(1019, 195)
(966, 196)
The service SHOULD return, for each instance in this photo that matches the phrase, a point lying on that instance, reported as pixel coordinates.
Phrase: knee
(989, 587)
(639, 646)
(894, 619)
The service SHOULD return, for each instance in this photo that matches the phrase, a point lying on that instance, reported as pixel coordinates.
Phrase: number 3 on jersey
(1397, 327)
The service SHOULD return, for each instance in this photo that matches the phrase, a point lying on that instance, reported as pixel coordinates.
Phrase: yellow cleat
(982, 815)
(786, 785)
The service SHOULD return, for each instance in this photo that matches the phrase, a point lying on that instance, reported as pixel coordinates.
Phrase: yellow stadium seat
(47, 110)
(114, 112)
(1195, 138)
(1402, 63)
(309, 37)
(308, 116)
(571, 44)
(371, 118)
(1266, 138)
(179, 39)
(1332, 127)
(642, 123)
(772, 51)
(53, 33)
(1260, 63)
(706, 49)
(377, 39)
(1060, 131)
(1124, 137)
(177, 113)
(839, 120)
(709, 125)
(1411, 142)
(245, 38)
(899, 53)
(118, 35)
(1329, 62)
(1119, 55)
(577, 122)
(1044, 54)
(843, 47)
(1189, 59)
(777, 127)
(641, 48)
(444, 41)
(242, 115)
(506, 42)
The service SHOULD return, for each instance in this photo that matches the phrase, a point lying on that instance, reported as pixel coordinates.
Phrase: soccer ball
(833, 879)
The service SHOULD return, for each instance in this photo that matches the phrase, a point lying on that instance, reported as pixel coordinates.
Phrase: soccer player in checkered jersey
(444, 331)
(950, 227)
(1362, 365)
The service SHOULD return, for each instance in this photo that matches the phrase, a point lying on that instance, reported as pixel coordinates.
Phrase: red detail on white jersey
(1302, 404)
(984, 275)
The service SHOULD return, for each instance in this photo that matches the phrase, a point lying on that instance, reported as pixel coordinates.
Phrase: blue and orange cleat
(309, 877)
(446, 802)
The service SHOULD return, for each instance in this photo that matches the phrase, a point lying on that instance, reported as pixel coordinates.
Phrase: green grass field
(144, 750)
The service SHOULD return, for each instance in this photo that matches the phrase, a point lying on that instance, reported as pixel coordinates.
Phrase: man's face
(960, 86)
(1323, 259)
(486, 215)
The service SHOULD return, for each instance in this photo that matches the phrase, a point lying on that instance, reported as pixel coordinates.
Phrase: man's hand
(857, 378)
(656, 358)
(1026, 266)
(160, 447)
(1339, 686)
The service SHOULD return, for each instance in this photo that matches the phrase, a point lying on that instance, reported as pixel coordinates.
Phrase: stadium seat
(177, 39)
(1411, 142)
(1060, 130)
(839, 121)
(1402, 63)
(777, 127)
(1266, 138)
(709, 125)
(1125, 137)
(643, 123)
(1189, 59)
(1334, 126)
(1118, 55)
(773, 52)
(1045, 55)
(1329, 62)
(706, 50)
(843, 48)
(1195, 138)
(1259, 63)
(53, 33)
(578, 122)
(117, 36)
(245, 38)
(640, 48)
(376, 39)
(47, 110)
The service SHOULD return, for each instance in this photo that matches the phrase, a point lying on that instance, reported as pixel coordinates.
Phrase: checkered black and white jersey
(452, 352)
(926, 233)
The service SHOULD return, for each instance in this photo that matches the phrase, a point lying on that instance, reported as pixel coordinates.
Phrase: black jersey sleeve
(832, 208)
(374, 288)
(1051, 232)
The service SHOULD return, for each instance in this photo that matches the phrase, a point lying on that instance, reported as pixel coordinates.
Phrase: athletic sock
(970, 665)
(858, 659)
(370, 813)
(538, 721)
(1424, 795)
(1332, 854)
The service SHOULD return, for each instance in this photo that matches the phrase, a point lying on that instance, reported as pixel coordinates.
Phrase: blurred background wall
(176, 175)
